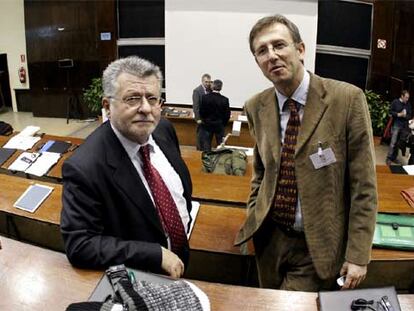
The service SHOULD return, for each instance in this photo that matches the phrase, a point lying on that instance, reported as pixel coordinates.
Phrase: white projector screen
(212, 37)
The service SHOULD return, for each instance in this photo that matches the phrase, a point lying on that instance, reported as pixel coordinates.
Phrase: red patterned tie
(286, 196)
(164, 202)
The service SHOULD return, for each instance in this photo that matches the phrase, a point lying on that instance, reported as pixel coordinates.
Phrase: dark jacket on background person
(398, 106)
(214, 109)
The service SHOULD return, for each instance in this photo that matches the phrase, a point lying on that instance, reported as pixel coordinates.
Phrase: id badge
(323, 158)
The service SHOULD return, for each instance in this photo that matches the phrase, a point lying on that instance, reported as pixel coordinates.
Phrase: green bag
(394, 231)
(224, 161)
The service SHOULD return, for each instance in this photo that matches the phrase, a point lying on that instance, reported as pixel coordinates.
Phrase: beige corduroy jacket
(339, 201)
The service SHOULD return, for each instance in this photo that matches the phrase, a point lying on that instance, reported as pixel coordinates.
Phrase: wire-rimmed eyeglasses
(137, 100)
(263, 52)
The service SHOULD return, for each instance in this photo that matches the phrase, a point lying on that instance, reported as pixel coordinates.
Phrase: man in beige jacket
(312, 206)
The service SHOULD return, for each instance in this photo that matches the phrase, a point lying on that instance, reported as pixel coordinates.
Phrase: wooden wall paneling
(67, 29)
(381, 59)
(403, 61)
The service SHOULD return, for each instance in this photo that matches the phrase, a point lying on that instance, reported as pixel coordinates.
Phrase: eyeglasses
(263, 52)
(137, 101)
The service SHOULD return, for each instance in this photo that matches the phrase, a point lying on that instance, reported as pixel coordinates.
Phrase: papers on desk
(21, 142)
(242, 118)
(235, 131)
(35, 163)
(23, 162)
(29, 130)
(409, 169)
(195, 207)
(24, 140)
(43, 163)
(31, 199)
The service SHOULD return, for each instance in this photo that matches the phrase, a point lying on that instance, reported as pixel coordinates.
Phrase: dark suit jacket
(108, 218)
(198, 93)
(214, 109)
(338, 201)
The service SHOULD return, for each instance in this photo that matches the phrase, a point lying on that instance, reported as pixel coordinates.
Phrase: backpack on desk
(5, 129)
(224, 161)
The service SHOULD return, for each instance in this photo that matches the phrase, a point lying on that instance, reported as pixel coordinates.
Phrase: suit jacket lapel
(127, 179)
(314, 110)
(270, 116)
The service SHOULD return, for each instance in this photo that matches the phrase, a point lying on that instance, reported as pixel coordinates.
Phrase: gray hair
(268, 21)
(206, 75)
(133, 65)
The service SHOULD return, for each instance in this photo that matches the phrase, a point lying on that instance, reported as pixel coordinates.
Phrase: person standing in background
(198, 92)
(400, 111)
(214, 114)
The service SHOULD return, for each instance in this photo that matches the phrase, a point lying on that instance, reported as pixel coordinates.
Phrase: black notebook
(397, 169)
(59, 147)
(5, 153)
(342, 300)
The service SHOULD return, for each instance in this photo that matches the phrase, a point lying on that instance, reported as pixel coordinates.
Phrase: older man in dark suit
(201, 90)
(126, 190)
(312, 206)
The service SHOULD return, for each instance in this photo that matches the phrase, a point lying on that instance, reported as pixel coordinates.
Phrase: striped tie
(166, 208)
(286, 196)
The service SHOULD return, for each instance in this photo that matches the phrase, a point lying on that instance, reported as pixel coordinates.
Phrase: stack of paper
(23, 162)
(409, 169)
(35, 163)
(24, 140)
(43, 163)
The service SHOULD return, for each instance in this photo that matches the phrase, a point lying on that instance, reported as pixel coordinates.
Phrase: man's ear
(301, 50)
(106, 105)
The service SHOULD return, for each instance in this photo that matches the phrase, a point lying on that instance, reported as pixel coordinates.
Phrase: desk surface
(12, 189)
(34, 278)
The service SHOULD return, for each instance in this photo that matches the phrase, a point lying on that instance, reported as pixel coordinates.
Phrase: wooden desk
(214, 230)
(12, 189)
(213, 256)
(186, 126)
(34, 278)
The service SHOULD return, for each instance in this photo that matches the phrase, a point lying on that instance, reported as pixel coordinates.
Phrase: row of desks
(34, 278)
(214, 230)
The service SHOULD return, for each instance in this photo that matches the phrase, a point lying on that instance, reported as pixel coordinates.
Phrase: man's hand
(355, 274)
(402, 114)
(171, 263)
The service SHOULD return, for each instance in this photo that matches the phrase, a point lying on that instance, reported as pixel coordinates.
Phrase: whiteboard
(212, 37)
